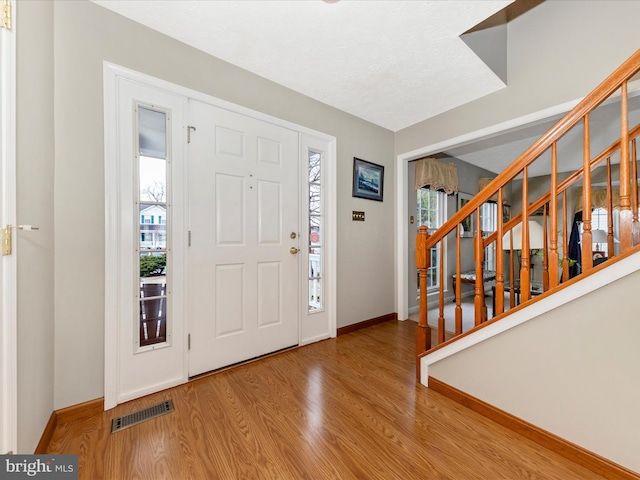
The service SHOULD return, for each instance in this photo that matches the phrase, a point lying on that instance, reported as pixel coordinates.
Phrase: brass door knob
(293, 250)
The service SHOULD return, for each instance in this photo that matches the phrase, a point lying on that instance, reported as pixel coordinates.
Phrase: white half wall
(572, 371)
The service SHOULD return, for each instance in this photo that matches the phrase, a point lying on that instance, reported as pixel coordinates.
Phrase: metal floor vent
(140, 416)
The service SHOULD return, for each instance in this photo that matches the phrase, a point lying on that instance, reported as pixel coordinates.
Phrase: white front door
(200, 229)
(244, 237)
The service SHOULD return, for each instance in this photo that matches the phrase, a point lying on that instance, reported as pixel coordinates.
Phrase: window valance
(482, 183)
(437, 175)
(598, 198)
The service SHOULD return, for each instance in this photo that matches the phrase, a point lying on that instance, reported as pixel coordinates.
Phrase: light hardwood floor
(346, 408)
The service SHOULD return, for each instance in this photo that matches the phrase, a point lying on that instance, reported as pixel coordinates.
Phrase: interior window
(431, 212)
(489, 224)
(599, 229)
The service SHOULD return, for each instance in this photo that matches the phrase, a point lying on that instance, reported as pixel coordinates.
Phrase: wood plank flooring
(346, 408)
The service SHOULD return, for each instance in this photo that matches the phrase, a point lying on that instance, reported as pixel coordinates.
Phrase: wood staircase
(616, 171)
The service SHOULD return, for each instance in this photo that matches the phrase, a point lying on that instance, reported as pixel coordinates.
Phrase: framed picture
(539, 212)
(467, 223)
(506, 213)
(368, 179)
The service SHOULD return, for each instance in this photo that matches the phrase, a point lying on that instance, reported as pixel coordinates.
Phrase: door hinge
(6, 14)
(7, 235)
(188, 341)
(189, 239)
(6, 241)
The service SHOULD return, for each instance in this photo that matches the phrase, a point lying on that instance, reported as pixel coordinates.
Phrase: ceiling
(393, 63)
(497, 152)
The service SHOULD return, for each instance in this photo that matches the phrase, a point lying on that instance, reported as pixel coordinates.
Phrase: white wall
(85, 35)
(35, 249)
(573, 371)
(557, 52)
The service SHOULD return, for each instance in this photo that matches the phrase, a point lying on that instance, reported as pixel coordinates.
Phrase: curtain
(436, 175)
(598, 198)
(482, 183)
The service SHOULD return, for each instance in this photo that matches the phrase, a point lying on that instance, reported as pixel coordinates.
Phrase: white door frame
(111, 73)
(320, 325)
(8, 316)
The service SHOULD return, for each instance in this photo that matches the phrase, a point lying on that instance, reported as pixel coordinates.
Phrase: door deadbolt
(293, 235)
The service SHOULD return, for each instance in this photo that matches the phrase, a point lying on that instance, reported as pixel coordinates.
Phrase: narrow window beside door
(316, 267)
(152, 209)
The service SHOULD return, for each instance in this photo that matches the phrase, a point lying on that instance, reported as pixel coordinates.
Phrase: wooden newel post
(423, 333)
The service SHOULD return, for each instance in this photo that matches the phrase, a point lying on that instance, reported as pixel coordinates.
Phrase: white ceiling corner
(392, 63)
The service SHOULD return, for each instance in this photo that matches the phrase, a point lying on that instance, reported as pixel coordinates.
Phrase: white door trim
(8, 315)
(111, 73)
(112, 237)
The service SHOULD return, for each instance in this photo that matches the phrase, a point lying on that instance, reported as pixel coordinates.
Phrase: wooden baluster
(545, 245)
(512, 272)
(525, 281)
(458, 287)
(553, 274)
(634, 193)
(626, 217)
(423, 333)
(498, 301)
(480, 309)
(587, 247)
(565, 241)
(610, 242)
(441, 298)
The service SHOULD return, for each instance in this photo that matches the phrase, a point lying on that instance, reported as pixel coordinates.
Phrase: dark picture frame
(368, 180)
(468, 223)
(506, 213)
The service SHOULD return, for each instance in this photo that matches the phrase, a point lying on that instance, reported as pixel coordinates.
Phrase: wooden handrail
(554, 265)
(568, 182)
(577, 113)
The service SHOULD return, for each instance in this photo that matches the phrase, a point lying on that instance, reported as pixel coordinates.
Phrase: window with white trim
(152, 205)
(316, 231)
(431, 212)
(489, 224)
(600, 222)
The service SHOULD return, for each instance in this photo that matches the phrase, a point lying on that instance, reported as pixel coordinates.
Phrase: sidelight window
(316, 243)
(152, 208)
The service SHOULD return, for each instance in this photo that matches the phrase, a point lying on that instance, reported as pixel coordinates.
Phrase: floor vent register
(140, 416)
